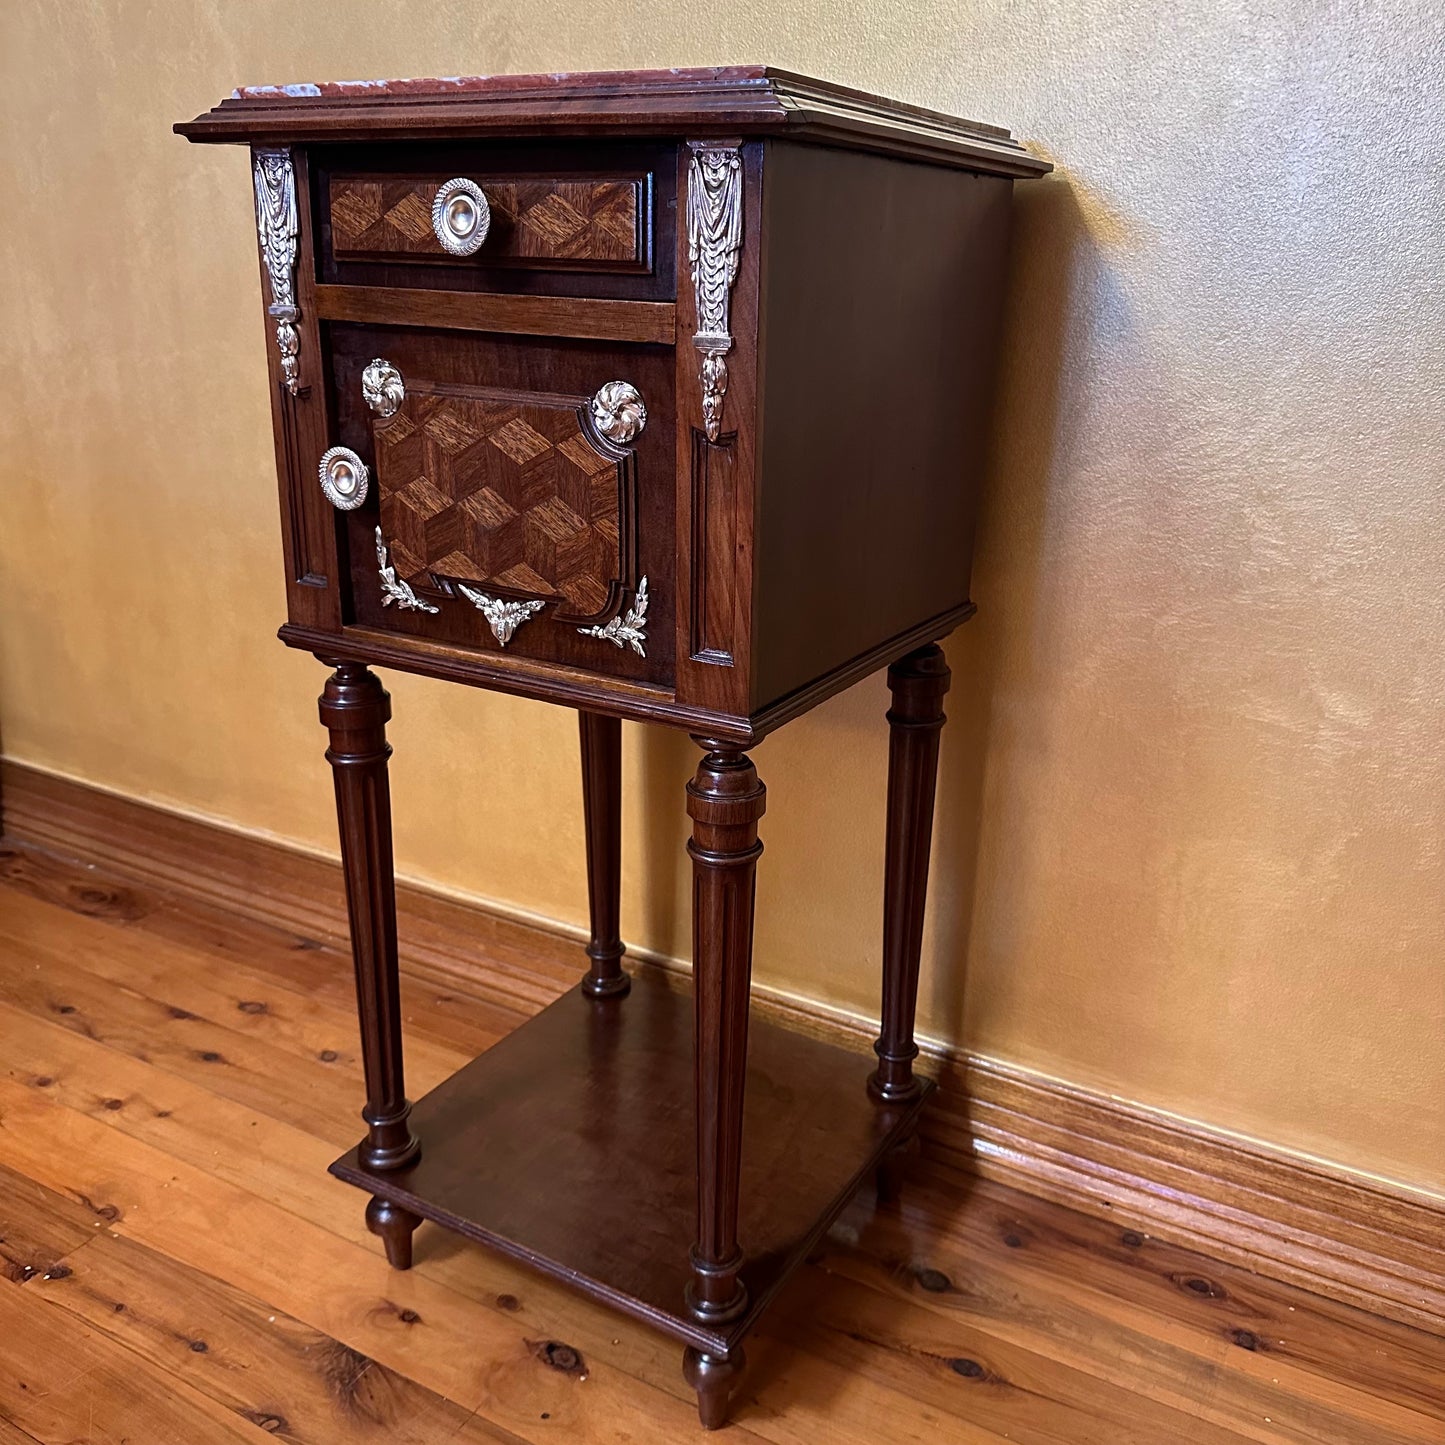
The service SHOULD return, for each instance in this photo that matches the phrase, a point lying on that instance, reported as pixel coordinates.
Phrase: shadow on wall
(1030, 430)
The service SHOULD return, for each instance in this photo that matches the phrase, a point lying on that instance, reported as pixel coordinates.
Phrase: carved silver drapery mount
(278, 225)
(504, 617)
(714, 249)
(618, 412)
(382, 388)
(627, 629)
(393, 589)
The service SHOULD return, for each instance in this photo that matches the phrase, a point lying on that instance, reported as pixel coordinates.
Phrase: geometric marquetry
(590, 221)
(502, 489)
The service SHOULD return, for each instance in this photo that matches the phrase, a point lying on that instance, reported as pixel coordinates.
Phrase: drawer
(500, 515)
(574, 220)
(595, 222)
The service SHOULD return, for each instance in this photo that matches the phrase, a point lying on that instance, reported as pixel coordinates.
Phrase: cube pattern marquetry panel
(592, 221)
(508, 492)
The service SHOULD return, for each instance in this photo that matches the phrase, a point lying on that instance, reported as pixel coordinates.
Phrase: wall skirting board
(1298, 1220)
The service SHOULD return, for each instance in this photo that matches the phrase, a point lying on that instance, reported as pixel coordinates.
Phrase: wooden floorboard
(247, 947)
(61, 1380)
(179, 1267)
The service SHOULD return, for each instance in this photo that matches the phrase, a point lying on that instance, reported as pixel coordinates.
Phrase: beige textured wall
(1190, 824)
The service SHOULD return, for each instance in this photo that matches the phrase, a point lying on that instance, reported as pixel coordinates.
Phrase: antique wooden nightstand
(660, 395)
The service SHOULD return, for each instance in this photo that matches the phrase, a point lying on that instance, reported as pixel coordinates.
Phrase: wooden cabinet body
(691, 435)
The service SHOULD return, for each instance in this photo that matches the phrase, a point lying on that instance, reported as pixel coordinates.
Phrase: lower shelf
(570, 1146)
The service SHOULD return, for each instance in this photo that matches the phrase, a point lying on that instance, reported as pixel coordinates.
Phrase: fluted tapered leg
(725, 801)
(918, 683)
(355, 709)
(602, 816)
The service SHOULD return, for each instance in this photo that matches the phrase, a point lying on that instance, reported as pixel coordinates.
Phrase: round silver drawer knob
(344, 478)
(460, 216)
(618, 411)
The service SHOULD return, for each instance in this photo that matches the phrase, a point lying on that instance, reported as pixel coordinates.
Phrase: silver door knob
(382, 387)
(618, 411)
(344, 478)
(460, 216)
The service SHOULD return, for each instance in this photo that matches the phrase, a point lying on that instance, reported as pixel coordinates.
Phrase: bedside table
(661, 395)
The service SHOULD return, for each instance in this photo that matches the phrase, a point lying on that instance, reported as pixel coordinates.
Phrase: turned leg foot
(602, 820)
(714, 1377)
(394, 1226)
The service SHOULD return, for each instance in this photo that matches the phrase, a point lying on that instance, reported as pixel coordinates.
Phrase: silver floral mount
(618, 412)
(382, 387)
(277, 225)
(393, 589)
(714, 248)
(627, 629)
(504, 617)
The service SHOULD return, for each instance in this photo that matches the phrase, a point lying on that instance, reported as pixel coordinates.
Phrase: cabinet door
(501, 516)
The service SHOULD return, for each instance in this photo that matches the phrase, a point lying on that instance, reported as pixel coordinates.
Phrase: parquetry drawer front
(535, 221)
(594, 219)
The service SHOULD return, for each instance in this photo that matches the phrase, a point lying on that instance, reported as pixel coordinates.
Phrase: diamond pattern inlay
(491, 490)
(594, 221)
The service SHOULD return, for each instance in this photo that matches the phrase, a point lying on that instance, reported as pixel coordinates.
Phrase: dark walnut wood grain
(717, 481)
(533, 220)
(602, 320)
(875, 385)
(803, 285)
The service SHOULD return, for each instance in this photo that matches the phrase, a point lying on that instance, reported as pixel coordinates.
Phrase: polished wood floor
(182, 1269)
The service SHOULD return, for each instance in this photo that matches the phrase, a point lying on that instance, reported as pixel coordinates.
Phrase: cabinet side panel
(883, 289)
(717, 455)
